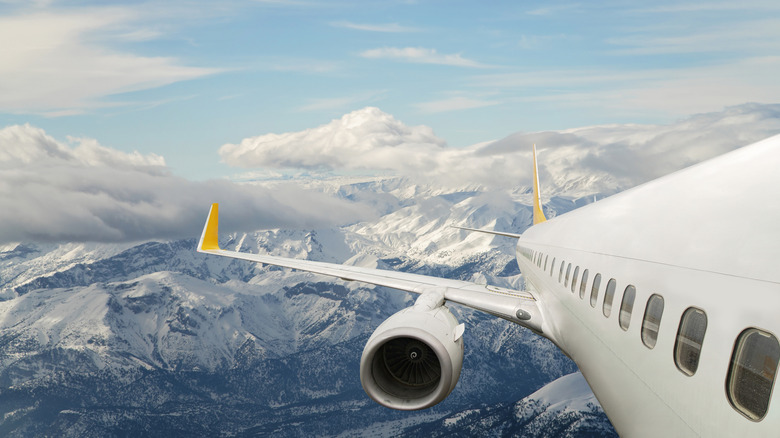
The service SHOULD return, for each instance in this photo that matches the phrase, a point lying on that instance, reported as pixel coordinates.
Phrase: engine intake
(413, 359)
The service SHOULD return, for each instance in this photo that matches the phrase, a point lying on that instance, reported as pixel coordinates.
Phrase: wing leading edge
(517, 306)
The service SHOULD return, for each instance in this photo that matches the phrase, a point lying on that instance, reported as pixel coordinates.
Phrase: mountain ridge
(153, 339)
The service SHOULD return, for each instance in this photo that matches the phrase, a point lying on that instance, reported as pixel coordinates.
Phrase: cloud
(454, 104)
(575, 162)
(650, 92)
(759, 5)
(300, 66)
(365, 139)
(62, 62)
(82, 191)
(421, 55)
(745, 37)
(552, 10)
(386, 28)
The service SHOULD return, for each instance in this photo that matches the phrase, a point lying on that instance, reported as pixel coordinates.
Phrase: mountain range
(153, 339)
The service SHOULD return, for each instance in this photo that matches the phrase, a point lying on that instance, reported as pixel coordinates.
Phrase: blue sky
(182, 78)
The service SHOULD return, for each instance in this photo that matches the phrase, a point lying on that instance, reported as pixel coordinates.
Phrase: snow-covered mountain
(153, 339)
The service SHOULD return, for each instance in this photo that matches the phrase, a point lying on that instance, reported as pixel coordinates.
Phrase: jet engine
(413, 359)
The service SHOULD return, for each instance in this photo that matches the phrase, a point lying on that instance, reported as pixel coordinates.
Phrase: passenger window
(690, 336)
(566, 280)
(574, 278)
(560, 274)
(552, 267)
(652, 320)
(594, 291)
(752, 372)
(609, 295)
(627, 306)
(584, 282)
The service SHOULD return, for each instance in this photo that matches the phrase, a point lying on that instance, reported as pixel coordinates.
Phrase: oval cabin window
(690, 337)
(574, 278)
(652, 320)
(584, 283)
(752, 372)
(594, 290)
(609, 295)
(552, 267)
(627, 306)
(560, 274)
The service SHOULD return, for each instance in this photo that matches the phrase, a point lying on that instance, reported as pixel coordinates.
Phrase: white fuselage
(706, 237)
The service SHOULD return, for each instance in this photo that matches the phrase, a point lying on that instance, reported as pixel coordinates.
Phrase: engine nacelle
(413, 359)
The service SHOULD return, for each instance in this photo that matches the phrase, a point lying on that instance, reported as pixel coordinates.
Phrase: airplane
(666, 296)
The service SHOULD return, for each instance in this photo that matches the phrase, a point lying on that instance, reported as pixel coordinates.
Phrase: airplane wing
(520, 307)
(495, 233)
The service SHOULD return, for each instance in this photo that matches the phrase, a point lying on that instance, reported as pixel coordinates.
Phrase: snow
(568, 393)
(121, 310)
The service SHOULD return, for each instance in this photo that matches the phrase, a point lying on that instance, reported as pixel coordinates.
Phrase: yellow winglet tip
(209, 240)
(538, 212)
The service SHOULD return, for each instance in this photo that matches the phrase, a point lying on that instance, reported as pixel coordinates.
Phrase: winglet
(209, 240)
(538, 213)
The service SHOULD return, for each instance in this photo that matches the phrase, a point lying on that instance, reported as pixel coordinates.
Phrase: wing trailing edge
(496, 233)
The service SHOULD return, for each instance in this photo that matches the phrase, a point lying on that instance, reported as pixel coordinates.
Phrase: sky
(199, 94)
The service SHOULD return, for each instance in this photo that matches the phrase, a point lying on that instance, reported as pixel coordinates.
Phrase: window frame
(627, 307)
(583, 283)
(735, 373)
(594, 290)
(648, 334)
(574, 278)
(552, 267)
(680, 344)
(609, 297)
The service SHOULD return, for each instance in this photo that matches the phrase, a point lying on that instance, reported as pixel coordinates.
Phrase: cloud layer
(60, 63)
(53, 192)
(421, 55)
(576, 161)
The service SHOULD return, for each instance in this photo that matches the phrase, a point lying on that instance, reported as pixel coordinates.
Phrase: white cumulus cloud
(368, 139)
(575, 161)
(82, 191)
